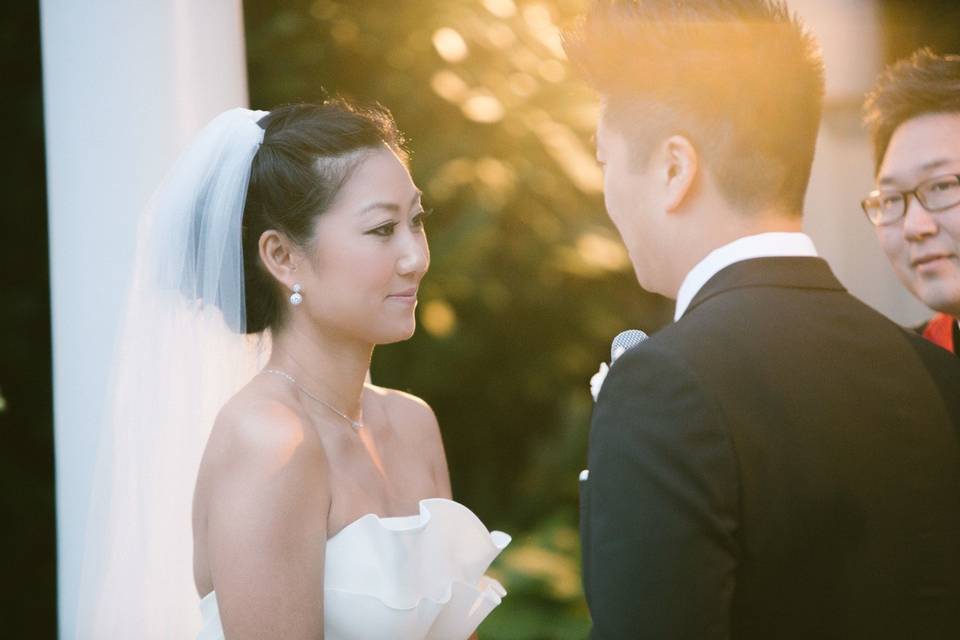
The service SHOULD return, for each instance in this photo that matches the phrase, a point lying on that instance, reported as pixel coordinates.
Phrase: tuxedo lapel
(792, 272)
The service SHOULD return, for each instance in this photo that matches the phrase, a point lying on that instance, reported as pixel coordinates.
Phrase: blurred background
(528, 282)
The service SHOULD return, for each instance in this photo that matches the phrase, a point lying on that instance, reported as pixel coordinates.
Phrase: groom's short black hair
(922, 84)
(742, 79)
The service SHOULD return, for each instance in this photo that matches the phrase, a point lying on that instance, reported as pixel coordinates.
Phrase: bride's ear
(280, 256)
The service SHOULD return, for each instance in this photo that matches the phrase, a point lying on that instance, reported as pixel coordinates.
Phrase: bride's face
(368, 255)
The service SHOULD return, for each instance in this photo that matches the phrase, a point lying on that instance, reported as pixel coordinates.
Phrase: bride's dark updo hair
(308, 152)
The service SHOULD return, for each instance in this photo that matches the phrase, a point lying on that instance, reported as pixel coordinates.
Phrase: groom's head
(709, 122)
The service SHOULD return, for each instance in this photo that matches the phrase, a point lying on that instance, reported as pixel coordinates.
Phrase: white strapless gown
(415, 577)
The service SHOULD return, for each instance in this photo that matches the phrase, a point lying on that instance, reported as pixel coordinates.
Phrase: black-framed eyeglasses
(885, 207)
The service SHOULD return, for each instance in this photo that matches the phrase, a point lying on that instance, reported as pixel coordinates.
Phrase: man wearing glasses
(914, 119)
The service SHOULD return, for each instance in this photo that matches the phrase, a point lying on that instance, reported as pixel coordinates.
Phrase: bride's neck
(331, 367)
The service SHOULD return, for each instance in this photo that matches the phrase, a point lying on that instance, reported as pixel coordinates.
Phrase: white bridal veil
(182, 353)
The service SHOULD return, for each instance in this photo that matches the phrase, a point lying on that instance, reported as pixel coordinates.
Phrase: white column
(126, 84)
(849, 32)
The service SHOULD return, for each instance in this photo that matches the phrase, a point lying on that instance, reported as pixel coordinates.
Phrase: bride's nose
(415, 255)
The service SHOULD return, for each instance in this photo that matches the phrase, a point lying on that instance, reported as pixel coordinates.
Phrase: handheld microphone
(624, 341)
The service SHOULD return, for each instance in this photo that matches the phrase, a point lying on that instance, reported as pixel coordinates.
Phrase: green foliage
(528, 281)
(542, 573)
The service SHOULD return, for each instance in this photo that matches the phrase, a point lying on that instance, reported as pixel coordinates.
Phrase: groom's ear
(680, 166)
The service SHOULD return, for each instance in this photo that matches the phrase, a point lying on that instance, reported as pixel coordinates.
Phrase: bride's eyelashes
(420, 219)
(387, 229)
(384, 230)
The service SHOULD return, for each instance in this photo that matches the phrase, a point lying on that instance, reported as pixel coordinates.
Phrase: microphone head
(624, 341)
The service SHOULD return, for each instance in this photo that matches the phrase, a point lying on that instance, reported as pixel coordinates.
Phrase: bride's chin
(397, 334)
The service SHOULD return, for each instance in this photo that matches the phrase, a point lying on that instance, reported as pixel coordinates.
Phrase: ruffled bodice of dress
(418, 577)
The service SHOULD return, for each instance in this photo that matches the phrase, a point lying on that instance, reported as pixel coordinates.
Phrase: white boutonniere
(596, 380)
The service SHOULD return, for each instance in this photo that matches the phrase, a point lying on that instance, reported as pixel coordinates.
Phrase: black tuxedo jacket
(782, 462)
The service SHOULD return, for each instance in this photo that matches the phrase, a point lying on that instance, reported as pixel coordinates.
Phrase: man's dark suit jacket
(782, 462)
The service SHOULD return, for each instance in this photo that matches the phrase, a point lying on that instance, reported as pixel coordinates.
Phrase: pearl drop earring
(296, 297)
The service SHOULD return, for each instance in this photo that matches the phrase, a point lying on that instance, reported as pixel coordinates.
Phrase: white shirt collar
(764, 245)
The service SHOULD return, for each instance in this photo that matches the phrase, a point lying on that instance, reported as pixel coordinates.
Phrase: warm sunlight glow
(537, 17)
(450, 177)
(450, 45)
(495, 174)
(438, 318)
(449, 86)
(501, 8)
(552, 71)
(566, 149)
(483, 107)
(602, 252)
(523, 84)
(500, 35)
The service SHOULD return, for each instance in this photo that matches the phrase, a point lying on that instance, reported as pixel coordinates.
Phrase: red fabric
(939, 331)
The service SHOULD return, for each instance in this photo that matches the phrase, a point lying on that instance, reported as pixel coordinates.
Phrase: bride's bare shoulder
(263, 426)
(413, 420)
(406, 411)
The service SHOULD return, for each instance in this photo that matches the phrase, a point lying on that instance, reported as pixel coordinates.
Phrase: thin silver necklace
(356, 424)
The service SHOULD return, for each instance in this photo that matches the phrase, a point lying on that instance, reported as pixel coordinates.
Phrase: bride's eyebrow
(392, 206)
